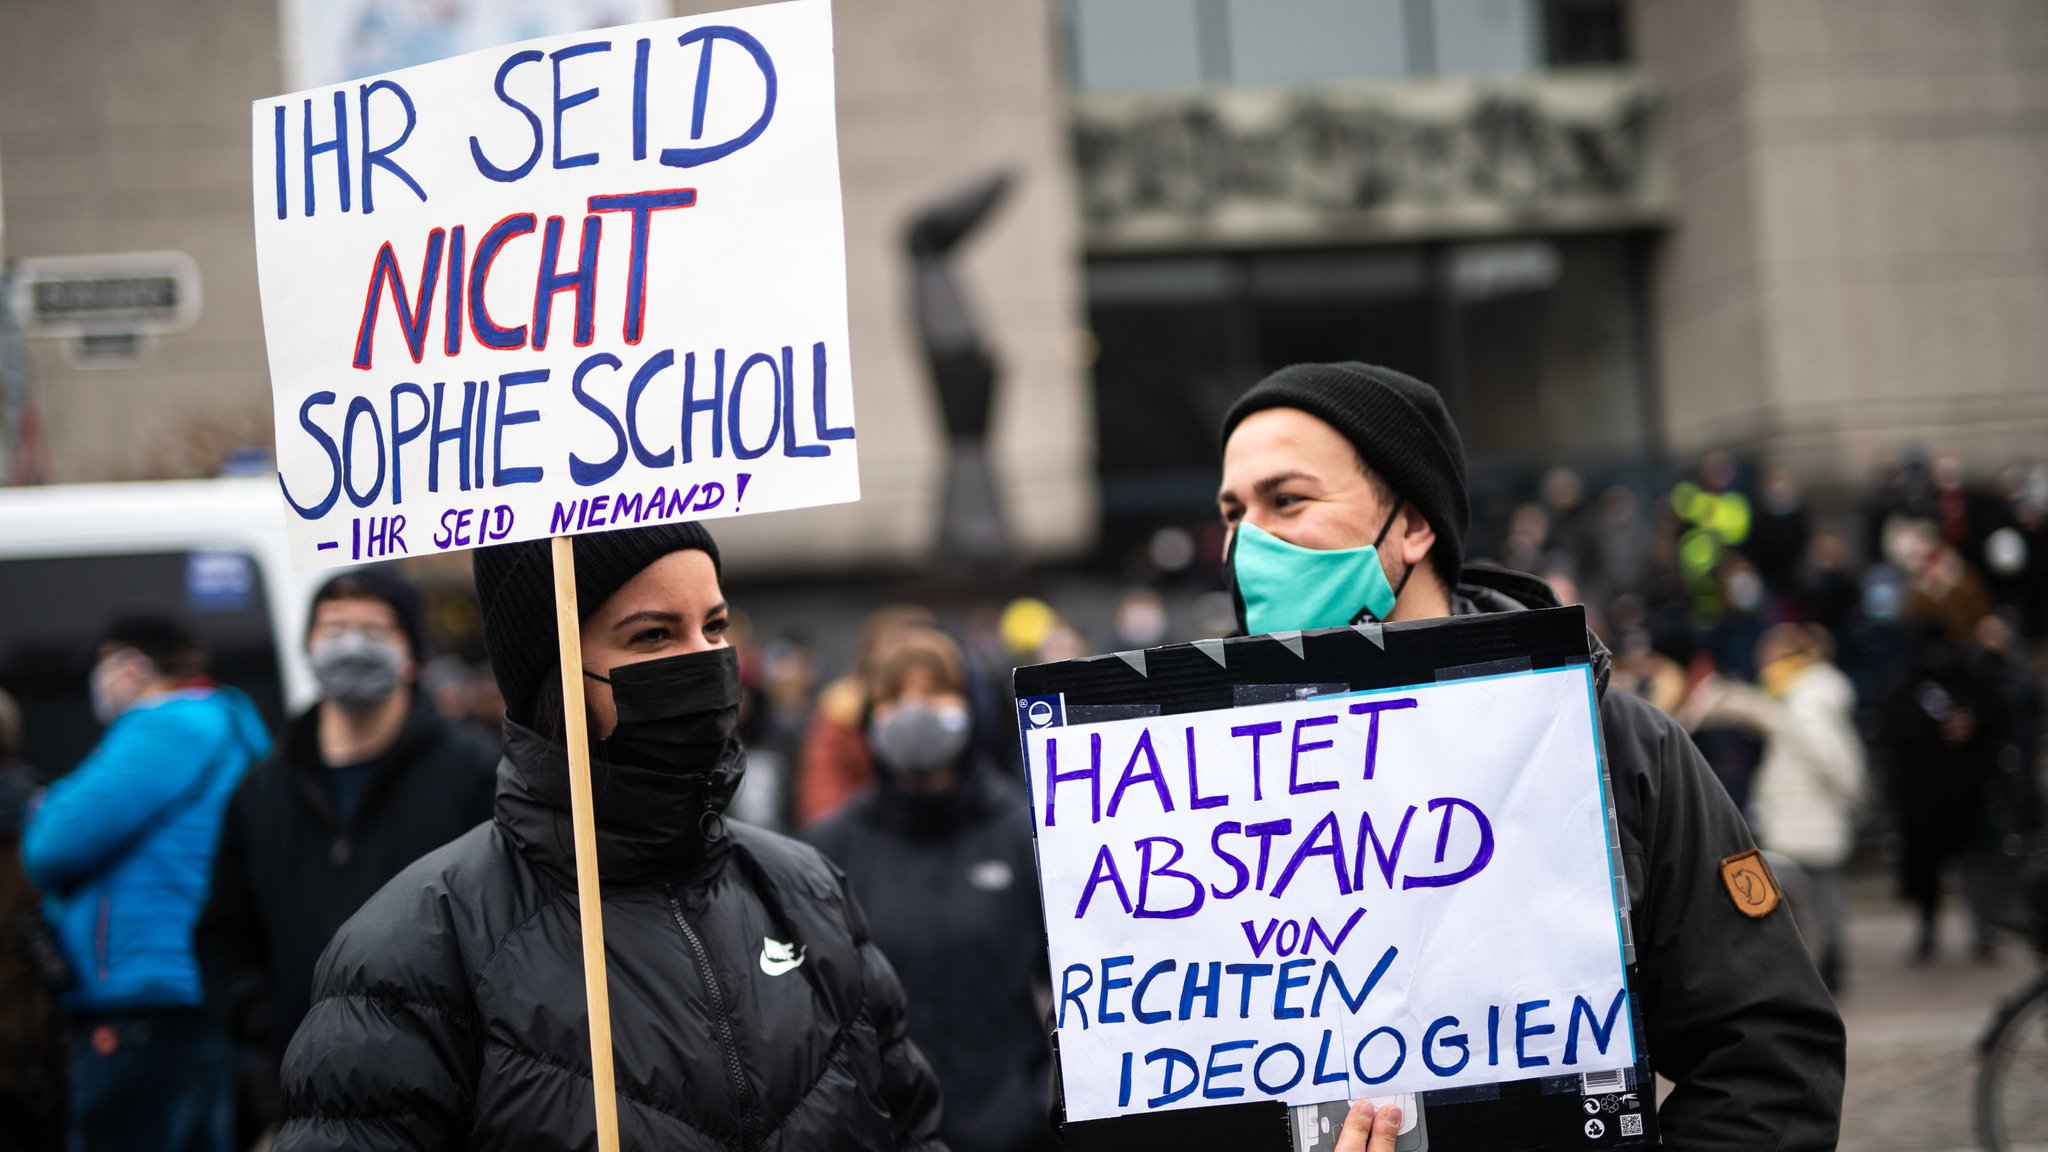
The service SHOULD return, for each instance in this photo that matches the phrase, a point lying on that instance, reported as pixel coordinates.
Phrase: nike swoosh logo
(778, 958)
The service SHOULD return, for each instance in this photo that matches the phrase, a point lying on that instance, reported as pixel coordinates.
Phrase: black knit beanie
(1399, 426)
(515, 591)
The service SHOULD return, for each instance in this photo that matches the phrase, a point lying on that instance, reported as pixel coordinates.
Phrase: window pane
(1585, 32)
(1166, 367)
(1307, 41)
(1487, 37)
(45, 654)
(1135, 44)
(1552, 361)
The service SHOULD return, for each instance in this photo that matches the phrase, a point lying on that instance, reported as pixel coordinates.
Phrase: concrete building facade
(125, 128)
(1859, 254)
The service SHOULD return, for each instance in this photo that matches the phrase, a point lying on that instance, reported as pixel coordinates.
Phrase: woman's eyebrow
(648, 616)
(715, 611)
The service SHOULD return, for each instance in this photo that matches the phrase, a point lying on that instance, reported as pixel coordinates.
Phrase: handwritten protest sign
(1360, 893)
(572, 284)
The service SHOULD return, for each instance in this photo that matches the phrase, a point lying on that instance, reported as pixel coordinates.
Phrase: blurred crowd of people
(1797, 643)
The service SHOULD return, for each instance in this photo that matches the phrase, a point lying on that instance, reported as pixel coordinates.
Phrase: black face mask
(673, 743)
(676, 713)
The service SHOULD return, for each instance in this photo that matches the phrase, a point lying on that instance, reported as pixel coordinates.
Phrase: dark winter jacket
(749, 1009)
(290, 871)
(948, 882)
(1940, 769)
(1736, 1015)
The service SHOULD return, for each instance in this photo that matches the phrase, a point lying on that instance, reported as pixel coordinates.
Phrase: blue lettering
(1105, 869)
(1309, 847)
(739, 381)
(582, 471)
(564, 103)
(1069, 993)
(1145, 911)
(1358, 1056)
(1152, 774)
(326, 443)
(1281, 1010)
(358, 407)
(1138, 996)
(1294, 785)
(1258, 733)
(1430, 1041)
(401, 435)
(375, 158)
(1259, 1066)
(1206, 990)
(1524, 1030)
(1388, 857)
(1173, 1057)
(1480, 857)
(502, 476)
(1372, 709)
(1332, 975)
(1209, 1074)
(1054, 777)
(709, 36)
(476, 148)
(1103, 1012)
(338, 144)
(1244, 875)
(1602, 1030)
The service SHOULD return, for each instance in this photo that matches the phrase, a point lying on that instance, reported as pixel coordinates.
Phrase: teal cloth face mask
(1282, 587)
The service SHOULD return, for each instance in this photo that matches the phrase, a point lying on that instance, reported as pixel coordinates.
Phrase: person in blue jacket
(123, 847)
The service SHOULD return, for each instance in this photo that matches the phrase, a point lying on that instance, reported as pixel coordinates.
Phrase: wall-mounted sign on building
(1246, 167)
(129, 292)
(107, 305)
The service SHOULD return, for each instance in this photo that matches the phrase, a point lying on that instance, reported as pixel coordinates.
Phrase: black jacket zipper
(742, 1092)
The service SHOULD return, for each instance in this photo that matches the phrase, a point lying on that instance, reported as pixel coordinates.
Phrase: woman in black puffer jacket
(749, 1009)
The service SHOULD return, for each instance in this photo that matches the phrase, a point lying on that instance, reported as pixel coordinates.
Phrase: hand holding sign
(1369, 1129)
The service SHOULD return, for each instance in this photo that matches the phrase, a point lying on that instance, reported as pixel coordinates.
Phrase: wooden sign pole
(596, 993)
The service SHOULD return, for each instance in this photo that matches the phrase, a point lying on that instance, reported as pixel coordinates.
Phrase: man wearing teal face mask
(1344, 495)
(1339, 482)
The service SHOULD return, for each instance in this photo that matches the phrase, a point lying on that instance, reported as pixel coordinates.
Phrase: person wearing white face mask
(121, 846)
(365, 782)
(939, 854)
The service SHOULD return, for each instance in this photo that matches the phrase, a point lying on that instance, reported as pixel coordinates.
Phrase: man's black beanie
(375, 584)
(1399, 426)
(515, 591)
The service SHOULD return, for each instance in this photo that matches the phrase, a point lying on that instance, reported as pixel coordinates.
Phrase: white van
(211, 553)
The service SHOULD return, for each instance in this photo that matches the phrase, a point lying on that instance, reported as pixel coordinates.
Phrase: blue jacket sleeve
(148, 759)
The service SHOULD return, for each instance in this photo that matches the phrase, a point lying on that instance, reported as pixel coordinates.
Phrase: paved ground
(1913, 1028)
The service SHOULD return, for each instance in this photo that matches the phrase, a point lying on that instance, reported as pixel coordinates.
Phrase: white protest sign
(1381, 892)
(571, 284)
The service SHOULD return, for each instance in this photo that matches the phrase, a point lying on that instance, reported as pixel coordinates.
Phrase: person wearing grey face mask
(358, 669)
(919, 740)
(360, 785)
(939, 853)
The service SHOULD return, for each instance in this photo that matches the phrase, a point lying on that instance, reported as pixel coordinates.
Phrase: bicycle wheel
(2012, 1082)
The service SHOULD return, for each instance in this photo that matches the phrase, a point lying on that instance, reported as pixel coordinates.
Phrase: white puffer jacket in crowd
(1812, 776)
